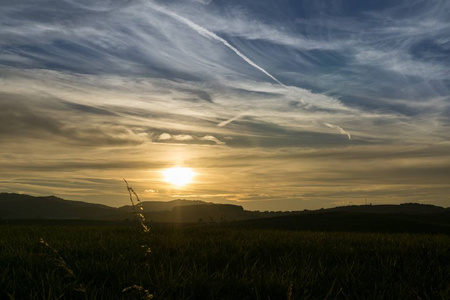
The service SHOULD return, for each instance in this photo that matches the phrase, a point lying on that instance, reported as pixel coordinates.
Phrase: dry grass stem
(62, 264)
(137, 211)
(137, 207)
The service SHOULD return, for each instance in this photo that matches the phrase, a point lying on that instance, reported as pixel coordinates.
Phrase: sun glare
(178, 176)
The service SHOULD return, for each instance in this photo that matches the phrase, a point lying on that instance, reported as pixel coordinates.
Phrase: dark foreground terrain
(217, 262)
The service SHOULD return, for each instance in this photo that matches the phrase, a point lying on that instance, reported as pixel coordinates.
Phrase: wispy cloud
(226, 122)
(166, 137)
(212, 139)
(134, 86)
(208, 34)
(341, 130)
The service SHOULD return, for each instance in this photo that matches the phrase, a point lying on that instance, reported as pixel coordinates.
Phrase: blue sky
(276, 104)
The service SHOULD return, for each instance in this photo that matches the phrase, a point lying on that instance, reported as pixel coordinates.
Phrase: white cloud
(212, 139)
(341, 130)
(183, 137)
(164, 137)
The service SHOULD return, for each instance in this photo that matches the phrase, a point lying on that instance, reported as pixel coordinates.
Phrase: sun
(178, 176)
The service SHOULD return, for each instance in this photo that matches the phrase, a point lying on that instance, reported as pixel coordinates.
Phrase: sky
(274, 104)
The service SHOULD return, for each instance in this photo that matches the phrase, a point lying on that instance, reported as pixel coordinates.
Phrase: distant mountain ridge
(20, 206)
(353, 221)
(150, 206)
(404, 208)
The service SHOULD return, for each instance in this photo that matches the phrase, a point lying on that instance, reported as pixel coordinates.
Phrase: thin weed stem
(137, 208)
(62, 264)
(138, 214)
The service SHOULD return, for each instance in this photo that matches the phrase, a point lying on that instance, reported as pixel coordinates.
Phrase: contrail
(211, 35)
(341, 130)
(226, 122)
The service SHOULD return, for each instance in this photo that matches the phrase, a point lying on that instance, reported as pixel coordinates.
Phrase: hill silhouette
(151, 206)
(409, 217)
(404, 208)
(354, 221)
(20, 206)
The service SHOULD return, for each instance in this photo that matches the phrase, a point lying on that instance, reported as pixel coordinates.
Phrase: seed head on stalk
(137, 208)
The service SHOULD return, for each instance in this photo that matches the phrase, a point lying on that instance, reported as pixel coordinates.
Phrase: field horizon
(407, 217)
(395, 252)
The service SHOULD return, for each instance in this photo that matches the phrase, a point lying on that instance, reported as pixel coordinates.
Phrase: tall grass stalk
(138, 214)
(137, 208)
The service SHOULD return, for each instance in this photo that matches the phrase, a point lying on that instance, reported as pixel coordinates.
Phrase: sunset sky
(273, 104)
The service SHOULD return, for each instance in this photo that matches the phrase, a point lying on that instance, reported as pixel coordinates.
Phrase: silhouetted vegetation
(217, 262)
(290, 255)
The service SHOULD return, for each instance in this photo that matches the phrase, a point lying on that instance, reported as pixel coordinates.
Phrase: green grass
(214, 262)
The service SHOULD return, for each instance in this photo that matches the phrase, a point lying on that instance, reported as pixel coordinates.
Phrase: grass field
(213, 262)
